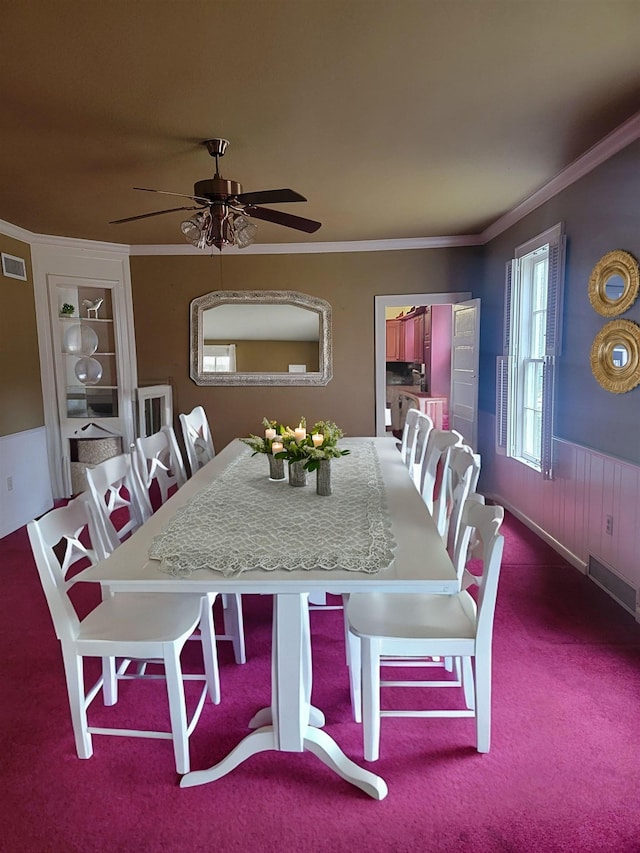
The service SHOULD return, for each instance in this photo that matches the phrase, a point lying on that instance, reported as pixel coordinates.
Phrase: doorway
(396, 301)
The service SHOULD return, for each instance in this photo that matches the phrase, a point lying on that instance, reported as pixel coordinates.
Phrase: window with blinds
(532, 341)
(219, 358)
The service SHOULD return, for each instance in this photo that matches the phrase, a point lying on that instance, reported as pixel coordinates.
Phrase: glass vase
(276, 468)
(323, 477)
(297, 474)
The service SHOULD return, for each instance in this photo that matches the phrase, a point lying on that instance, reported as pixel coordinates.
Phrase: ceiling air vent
(14, 267)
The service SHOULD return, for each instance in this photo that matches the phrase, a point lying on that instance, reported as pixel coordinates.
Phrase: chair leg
(467, 683)
(234, 626)
(355, 675)
(371, 697)
(345, 602)
(177, 708)
(209, 649)
(483, 702)
(74, 673)
(109, 681)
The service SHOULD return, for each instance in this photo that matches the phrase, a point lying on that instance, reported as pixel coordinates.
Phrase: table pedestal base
(291, 723)
(315, 740)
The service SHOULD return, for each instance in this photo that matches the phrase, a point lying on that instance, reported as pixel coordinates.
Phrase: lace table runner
(244, 521)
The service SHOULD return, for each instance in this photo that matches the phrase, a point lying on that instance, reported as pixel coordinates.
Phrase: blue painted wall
(601, 212)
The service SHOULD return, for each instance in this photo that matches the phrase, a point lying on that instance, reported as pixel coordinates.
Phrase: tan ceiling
(395, 118)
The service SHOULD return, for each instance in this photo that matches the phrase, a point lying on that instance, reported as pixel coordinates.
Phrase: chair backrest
(72, 531)
(484, 523)
(424, 425)
(159, 458)
(198, 441)
(114, 485)
(459, 475)
(436, 458)
(409, 434)
(476, 456)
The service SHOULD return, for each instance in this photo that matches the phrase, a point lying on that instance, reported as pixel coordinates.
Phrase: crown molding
(615, 141)
(77, 243)
(317, 248)
(625, 134)
(15, 231)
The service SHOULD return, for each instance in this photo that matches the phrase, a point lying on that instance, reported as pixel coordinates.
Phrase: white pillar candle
(317, 438)
(300, 433)
(270, 433)
(277, 447)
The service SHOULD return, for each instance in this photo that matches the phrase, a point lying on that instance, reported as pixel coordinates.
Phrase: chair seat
(407, 617)
(129, 618)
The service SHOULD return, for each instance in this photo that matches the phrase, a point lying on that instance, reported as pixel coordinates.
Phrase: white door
(465, 347)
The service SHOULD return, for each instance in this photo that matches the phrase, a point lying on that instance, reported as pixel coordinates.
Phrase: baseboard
(558, 547)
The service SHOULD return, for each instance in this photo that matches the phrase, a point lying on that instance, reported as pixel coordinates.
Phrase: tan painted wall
(273, 356)
(163, 287)
(20, 388)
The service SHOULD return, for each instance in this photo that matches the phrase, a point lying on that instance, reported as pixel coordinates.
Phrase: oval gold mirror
(614, 283)
(615, 356)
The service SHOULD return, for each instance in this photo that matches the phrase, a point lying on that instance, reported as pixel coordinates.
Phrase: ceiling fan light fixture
(192, 229)
(245, 231)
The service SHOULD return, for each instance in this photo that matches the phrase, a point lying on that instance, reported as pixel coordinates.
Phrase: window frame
(511, 367)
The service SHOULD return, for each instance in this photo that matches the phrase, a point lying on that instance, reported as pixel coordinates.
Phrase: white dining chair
(460, 477)
(198, 440)
(436, 456)
(159, 460)
(423, 631)
(424, 426)
(116, 491)
(130, 627)
(408, 435)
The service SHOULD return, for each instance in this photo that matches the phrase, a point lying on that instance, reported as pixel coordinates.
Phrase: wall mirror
(260, 337)
(614, 283)
(615, 356)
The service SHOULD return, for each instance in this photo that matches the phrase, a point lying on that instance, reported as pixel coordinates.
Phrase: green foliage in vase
(301, 450)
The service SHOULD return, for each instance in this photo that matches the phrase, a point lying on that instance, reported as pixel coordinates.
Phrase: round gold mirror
(614, 283)
(615, 356)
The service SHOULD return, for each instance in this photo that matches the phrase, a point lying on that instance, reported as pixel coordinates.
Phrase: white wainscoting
(570, 511)
(24, 462)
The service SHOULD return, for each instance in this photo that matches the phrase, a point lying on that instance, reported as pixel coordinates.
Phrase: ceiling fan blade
(270, 197)
(280, 218)
(165, 192)
(145, 215)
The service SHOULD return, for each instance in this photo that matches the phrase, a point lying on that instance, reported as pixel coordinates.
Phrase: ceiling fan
(224, 211)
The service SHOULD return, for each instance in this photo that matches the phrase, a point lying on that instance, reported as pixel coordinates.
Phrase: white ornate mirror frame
(260, 297)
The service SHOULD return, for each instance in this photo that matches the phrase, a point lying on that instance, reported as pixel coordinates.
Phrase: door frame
(380, 338)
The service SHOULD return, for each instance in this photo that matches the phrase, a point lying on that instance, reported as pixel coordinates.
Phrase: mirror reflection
(619, 355)
(260, 337)
(614, 287)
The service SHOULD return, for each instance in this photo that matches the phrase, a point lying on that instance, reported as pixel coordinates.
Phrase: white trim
(558, 547)
(615, 141)
(15, 231)
(23, 458)
(380, 338)
(317, 248)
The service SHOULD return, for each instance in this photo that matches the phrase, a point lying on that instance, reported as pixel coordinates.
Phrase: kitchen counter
(436, 407)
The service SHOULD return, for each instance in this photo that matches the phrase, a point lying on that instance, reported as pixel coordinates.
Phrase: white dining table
(419, 564)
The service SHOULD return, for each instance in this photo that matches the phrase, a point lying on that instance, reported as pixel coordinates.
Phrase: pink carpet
(563, 773)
